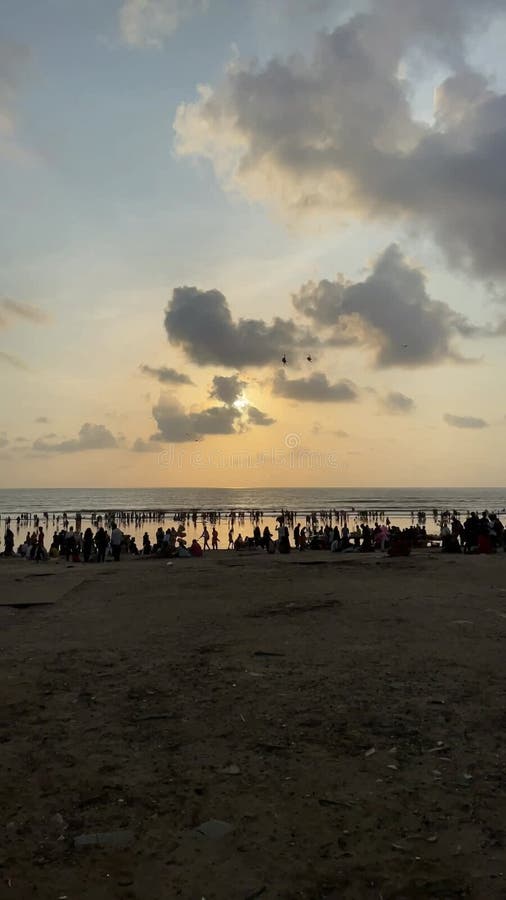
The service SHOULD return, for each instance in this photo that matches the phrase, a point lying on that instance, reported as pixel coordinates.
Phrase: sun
(241, 403)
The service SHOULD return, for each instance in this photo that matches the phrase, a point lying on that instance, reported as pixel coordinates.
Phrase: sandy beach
(343, 715)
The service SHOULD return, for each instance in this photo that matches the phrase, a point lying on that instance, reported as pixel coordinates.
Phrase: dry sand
(126, 701)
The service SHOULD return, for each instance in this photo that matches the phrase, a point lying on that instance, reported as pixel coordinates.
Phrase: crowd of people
(477, 534)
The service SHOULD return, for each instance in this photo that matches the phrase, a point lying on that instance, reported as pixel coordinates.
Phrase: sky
(252, 242)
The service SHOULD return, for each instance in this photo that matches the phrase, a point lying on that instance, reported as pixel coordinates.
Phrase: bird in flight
(283, 360)
(309, 358)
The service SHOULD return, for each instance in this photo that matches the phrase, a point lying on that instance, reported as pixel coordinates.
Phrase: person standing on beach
(9, 542)
(87, 544)
(231, 545)
(215, 540)
(116, 542)
(205, 536)
(101, 542)
(40, 552)
(70, 543)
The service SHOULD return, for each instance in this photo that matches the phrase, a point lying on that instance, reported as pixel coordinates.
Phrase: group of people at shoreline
(477, 534)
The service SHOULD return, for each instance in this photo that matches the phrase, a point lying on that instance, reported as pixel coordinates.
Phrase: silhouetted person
(101, 542)
(87, 544)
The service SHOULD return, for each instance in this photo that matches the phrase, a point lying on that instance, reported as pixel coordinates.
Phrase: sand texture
(313, 726)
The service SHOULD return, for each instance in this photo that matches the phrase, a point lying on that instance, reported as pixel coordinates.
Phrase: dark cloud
(201, 323)
(335, 131)
(165, 375)
(257, 417)
(91, 437)
(464, 421)
(227, 389)
(396, 402)
(142, 446)
(315, 389)
(177, 426)
(390, 312)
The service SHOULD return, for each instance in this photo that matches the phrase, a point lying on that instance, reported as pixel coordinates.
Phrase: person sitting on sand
(196, 549)
(238, 543)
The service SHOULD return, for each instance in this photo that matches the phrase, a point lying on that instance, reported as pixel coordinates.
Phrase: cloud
(165, 375)
(14, 308)
(177, 426)
(315, 389)
(4, 441)
(142, 446)
(149, 23)
(257, 417)
(42, 420)
(464, 421)
(91, 437)
(334, 132)
(228, 389)
(201, 323)
(396, 402)
(390, 312)
(13, 361)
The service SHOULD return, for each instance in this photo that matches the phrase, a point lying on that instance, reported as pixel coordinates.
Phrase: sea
(402, 506)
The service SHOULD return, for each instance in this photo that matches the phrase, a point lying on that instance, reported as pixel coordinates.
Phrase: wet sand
(365, 758)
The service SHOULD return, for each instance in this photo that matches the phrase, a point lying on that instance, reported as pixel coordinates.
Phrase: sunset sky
(193, 189)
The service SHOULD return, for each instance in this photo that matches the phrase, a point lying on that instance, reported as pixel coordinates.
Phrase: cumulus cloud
(90, 437)
(201, 323)
(149, 23)
(335, 131)
(257, 417)
(227, 389)
(390, 312)
(464, 421)
(165, 375)
(396, 402)
(178, 426)
(315, 389)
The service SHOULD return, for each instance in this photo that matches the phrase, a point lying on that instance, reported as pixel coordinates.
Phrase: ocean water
(401, 505)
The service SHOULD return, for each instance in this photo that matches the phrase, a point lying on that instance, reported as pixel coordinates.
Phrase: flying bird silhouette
(283, 360)
(309, 358)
